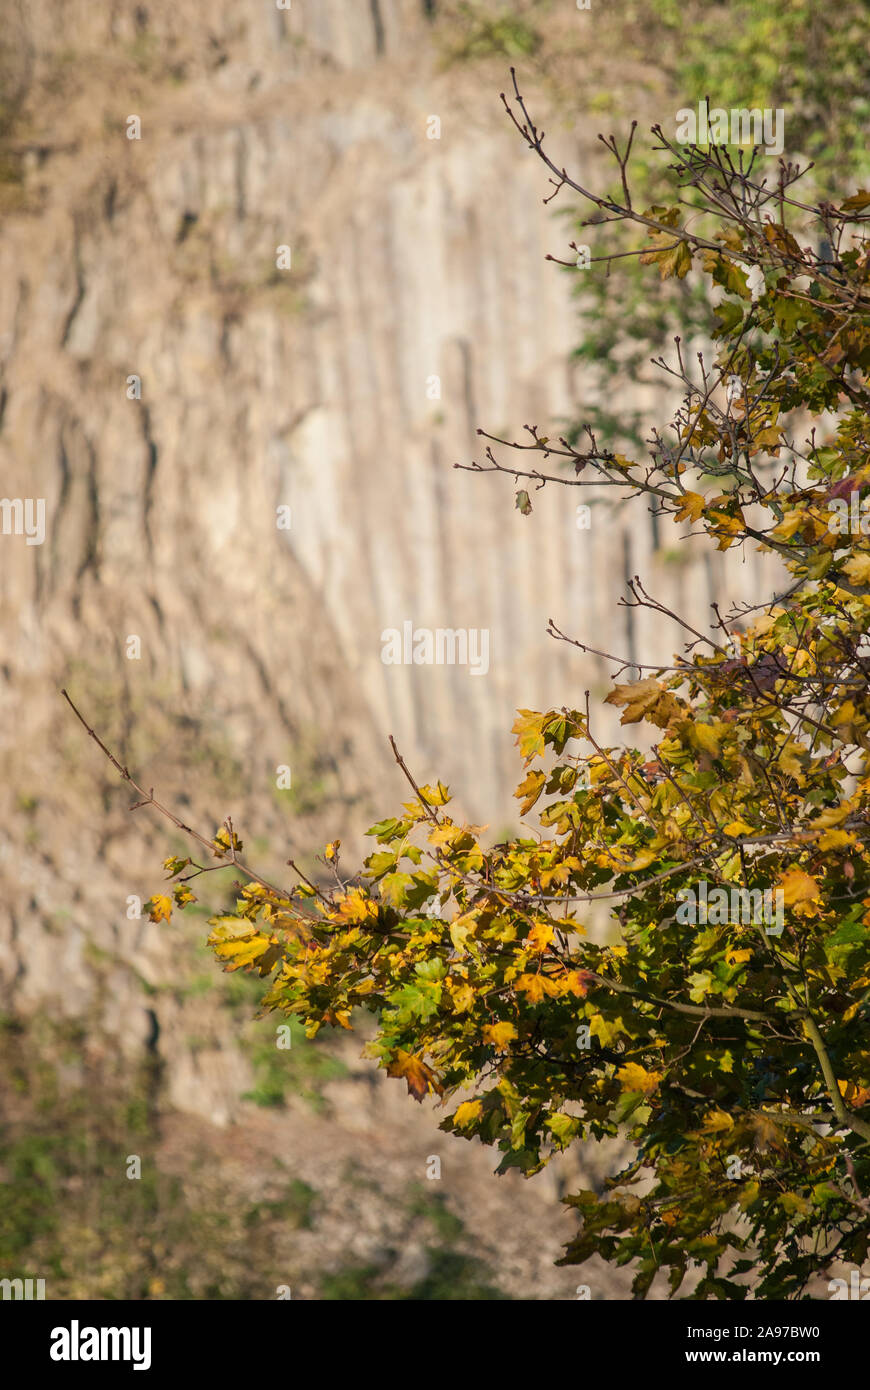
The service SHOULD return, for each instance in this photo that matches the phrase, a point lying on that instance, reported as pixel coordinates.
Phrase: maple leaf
(644, 699)
(737, 827)
(499, 1035)
(691, 505)
(633, 1077)
(798, 887)
(578, 982)
(716, 1120)
(539, 937)
(857, 202)
(420, 1078)
(529, 790)
(243, 949)
(159, 908)
(529, 728)
(466, 1113)
(535, 987)
(225, 843)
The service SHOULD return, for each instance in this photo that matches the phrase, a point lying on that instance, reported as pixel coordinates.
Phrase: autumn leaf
(633, 1077)
(716, 1120)
(529, 728)
(837, 839)
(419, 1077)
(539, 937)
(644, 699)
(439, 795)
(224, 844)
(159, 908)
(691, 505)
(466, 1113)
(461, 928)
(235, 941)
(767, 1134)
(529, 790)
(857, 202)
(798, 887)
(499, 1035)
(535, 987)
(858, 569)
(462, 998)
(736, 828)
(577, 982)
(854, 1093)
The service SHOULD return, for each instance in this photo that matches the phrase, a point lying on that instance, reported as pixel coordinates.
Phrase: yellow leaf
(793, 1203)
(706, 737)
(854, 1093)
(845, 714)
(837, 839)
(798, 887)
(692, 505)
(636, 1078)
(467, 1112)
(737, 827)
(737, 957)
(715, 1120)
(576, 982)
(535, 987)
(539, 938)
(159, 908)
(529, 790)
(833, 815)
(786, 528)
(498, 1035)
(439, 795)
(529, 731)
(606, 1030)
(460, 929)
(857, 202)
(642, 859)
(463, 998)
(858, 569)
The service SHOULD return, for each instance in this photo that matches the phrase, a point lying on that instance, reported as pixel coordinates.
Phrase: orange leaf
(499, 1035)
(420, 1078)
(798, 887)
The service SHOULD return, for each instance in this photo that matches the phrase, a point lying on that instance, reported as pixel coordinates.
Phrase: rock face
(284, 302)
